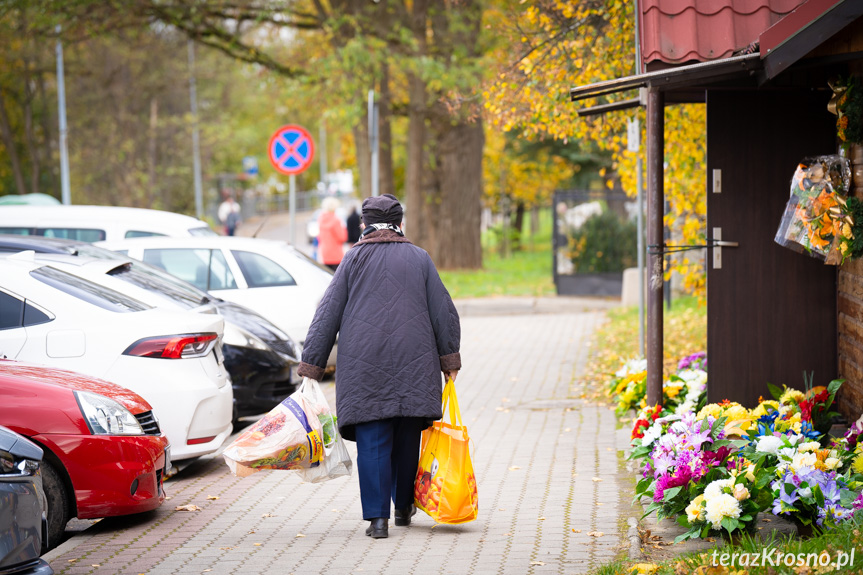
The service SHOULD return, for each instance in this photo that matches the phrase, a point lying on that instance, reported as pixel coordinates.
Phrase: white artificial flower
(831, 463)
(809, 446)
(768, 444)
(718, 508)
(740, 493)
(787, 453)
(801, 460)
(631, 367)
(651, 434)
(717, 488)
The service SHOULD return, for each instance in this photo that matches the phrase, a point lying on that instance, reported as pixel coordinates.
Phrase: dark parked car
(260, 357)
(23, 525)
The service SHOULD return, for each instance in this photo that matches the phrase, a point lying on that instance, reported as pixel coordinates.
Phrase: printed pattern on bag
(445, 485)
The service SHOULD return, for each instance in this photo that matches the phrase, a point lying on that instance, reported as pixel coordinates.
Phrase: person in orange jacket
(332, 234)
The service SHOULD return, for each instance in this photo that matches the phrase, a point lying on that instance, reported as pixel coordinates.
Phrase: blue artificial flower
(807, 431)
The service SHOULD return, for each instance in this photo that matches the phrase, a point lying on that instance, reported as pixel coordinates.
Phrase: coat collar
(382, 237)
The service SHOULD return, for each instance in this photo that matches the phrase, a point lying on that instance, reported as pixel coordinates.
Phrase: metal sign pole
(66, 194)
(292, 205)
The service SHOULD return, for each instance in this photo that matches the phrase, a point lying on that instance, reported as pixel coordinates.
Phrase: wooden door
(771, 313)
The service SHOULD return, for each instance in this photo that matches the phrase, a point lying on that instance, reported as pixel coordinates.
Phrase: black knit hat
(384, 209)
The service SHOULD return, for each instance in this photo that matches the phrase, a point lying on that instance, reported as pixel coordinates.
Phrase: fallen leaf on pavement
(300, 535)
(576, 530)
(267, 515)
(597, 479)
(225, 548)
(596, 533)
(187, 508)
(95, 565)
(537, 563)
(514, 467)
(258, 544)
(542, 518)
(212, 497)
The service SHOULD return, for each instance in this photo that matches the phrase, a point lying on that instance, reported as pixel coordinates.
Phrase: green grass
(843, 538)
(525, 272)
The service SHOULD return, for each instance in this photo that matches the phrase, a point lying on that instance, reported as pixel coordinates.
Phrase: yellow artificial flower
(764, 408)
(695, 509)
(857, 464)
(791, 395)
(673, 391)
(709, 409)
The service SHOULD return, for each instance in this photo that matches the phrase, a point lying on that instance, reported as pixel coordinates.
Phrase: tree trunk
(458, 212)
(9, 142)
(385, 134)
(414, 196)
(151, 151)
(518, 225)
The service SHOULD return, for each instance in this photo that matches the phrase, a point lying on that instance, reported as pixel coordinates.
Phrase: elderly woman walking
(398, 330)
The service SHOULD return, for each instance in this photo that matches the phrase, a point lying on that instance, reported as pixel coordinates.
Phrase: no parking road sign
(291, 149)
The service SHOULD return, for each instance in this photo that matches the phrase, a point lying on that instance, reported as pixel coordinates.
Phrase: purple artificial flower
(858, 503)
(694, 361)
(662, 463)
(699, 437)
(785, 500)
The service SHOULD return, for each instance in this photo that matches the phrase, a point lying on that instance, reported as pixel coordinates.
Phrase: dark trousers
(388, 452)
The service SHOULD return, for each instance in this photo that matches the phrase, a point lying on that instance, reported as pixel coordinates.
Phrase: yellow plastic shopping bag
(445, 485)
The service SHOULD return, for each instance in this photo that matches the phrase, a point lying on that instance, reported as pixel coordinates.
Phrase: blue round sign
(291, 149)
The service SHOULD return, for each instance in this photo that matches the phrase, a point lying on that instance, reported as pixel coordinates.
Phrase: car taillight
(174, 346)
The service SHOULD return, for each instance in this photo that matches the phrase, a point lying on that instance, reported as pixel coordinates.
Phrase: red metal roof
(685, 31)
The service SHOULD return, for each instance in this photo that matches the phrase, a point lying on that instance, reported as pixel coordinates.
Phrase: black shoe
(378, 528)
(403, 516)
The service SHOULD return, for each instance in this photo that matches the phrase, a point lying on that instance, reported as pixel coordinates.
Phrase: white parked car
(95, 223)
(269, 276)
(173, 359)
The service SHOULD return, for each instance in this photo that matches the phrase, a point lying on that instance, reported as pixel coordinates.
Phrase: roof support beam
(655, 241)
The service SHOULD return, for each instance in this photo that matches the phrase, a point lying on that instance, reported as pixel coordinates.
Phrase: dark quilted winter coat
(397, 330)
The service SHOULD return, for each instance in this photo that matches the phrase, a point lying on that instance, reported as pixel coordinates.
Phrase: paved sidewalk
(554, 497)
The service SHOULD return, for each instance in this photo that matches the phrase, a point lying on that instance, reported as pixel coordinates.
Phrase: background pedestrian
(331, 234)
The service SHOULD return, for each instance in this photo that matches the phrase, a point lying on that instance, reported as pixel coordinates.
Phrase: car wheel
(59, 505)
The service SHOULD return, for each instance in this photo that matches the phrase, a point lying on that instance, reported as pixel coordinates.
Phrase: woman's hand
(450, 374)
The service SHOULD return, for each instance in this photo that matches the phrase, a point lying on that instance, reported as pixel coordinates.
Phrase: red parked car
(104, 453)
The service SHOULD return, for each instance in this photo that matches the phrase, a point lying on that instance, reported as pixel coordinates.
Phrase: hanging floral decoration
(847, 105)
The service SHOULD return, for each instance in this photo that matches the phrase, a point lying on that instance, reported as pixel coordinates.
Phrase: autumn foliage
(557, 45)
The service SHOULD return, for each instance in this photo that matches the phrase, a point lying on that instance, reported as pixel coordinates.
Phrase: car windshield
(87, 291)
(164, 284)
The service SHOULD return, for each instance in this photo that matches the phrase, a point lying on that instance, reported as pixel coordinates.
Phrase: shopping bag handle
(450, 399)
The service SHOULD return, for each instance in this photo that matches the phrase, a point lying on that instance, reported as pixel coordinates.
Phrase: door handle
(717, 243)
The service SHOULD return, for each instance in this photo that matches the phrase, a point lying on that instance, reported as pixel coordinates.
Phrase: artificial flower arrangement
(847, 105)
(715, 470)
(817, 218)
(683, 391)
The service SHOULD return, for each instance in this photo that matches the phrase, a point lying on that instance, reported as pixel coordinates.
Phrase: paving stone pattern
(552, 491)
